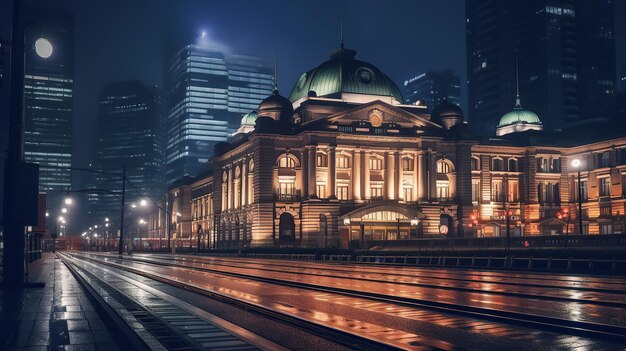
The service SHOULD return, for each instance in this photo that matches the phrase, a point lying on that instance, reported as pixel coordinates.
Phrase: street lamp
(68, 201)
(142, 222)
(143, 203)
(43, 48)
(577, 165)
(64, 210)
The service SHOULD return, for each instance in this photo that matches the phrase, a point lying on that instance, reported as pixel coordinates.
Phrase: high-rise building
(433, 88)
(49, 97)
(563, 51)
(130, 132)
(208, 92)
(622, 80)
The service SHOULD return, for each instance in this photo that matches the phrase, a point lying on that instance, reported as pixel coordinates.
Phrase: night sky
(133, 39)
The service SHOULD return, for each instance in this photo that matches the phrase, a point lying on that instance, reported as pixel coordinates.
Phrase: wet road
(308, 290)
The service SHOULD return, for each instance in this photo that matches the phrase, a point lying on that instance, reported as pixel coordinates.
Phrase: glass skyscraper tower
(208, 91)
(49, 99)
(130, 132)
(433, 88)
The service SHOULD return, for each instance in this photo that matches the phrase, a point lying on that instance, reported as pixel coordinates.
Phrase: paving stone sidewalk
(59, 316)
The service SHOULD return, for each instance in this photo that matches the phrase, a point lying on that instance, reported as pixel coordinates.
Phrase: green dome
(343, 74)
(249, 119)
(519, 115)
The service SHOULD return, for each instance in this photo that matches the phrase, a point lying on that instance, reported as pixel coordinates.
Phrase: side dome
(447, 114)
(343, 74)
(518, 120)
(276, 107)
(249, 119)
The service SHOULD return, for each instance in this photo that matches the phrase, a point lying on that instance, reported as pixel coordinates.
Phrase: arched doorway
(286, 228)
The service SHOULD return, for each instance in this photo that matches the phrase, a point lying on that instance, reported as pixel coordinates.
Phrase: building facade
(208, 91)
(49, 98)
(131, 133)
(343, 163)
(433, 88)
(564, 52)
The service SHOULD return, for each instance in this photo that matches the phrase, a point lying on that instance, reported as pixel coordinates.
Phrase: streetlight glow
(47, 214)
(43, 48)
(143, 202)
(61, 219)
(106, 219)
(64, 210)
(68, 201)
(575, 163)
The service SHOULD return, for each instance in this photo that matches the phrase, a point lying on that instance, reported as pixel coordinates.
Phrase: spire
(518, 103)
(276, 72)
(341, 31)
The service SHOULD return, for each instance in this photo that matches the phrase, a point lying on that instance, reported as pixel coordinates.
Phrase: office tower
(622, 80)
(49, 97)
(433, 88)
(208, 92)
(564, 52)
(130, 132)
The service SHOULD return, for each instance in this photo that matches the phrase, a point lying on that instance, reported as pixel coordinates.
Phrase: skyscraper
(564, 52)
(49, 97)
(433, 88)
(208, 92)
(130, 132)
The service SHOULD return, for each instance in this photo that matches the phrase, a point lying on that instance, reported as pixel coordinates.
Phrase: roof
(249, 119)
(519, 115)
(343, 74)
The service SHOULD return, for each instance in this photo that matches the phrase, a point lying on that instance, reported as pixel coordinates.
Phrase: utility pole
(121, 243)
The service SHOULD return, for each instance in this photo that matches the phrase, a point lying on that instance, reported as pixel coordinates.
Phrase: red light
(566, 210)
(559, 216)
(473, 217)
(470, 225)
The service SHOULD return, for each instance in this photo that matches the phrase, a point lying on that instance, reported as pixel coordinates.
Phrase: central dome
(343, 74)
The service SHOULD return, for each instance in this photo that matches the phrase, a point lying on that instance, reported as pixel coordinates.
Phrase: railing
(287, 197)
(445, 200)
(531, 242)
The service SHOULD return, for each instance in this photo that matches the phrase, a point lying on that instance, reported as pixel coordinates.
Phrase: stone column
(416, 170)
(244, 182)
(366, 175)
(388, 171)
(433, 175)
(356, 175)
(332, 174)
(312, 171)
(396, 180)
(229, 200)
(305, 172)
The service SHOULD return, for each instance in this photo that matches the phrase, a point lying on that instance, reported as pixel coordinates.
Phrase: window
(556, 165)
(497, 193)
(343, 161)
(286, 189)
(321, 190)
(376, 192)
(443, 190)
(342, 192)
(512, 165)
(513, 191)
(605, 211)
(407, 164)
(475, 164)
(286, 162)
(321, 160)
(476, 191)
(496, 164)
(542, 164)
(583, 190)
(605, 187)
(376, 164)
(604, 159)
(443, 167)
(408, 194)
(606, 228)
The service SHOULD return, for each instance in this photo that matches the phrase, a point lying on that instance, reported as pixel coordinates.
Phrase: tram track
(539, 322)
(349, 340)
(443, 287)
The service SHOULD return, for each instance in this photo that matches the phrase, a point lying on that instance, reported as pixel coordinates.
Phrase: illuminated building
(565, 52)
(208, 92)
(49, 99)
(343, 163)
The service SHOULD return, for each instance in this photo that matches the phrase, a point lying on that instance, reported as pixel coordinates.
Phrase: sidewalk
(57, 317)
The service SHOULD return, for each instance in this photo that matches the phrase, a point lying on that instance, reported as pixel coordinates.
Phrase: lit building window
(376, 164)
(321, 190)
(407, 164)
(376, 192)
(476, 191)
(443, 189)
(475, 164)
(286, 162)
(286, 188)
(343, 161)
(443, 167)
(408, 194)
(342, 192)
(605, 187)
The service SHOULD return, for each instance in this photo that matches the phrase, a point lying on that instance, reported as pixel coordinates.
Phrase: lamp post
(577, 164)
(142, 222)
(414, 223)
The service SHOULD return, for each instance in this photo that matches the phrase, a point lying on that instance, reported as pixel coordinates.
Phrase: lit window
(407, 164)
(343, 162)
(286, 162)
(443, 167)
(321, 160)
(342, 192)
(376, 164)
(605, 187)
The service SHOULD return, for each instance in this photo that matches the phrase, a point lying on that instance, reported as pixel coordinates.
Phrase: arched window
(496, 164)
(287, 161)
(513, 165)
(237, 187)
(250, 182)
(444, 167)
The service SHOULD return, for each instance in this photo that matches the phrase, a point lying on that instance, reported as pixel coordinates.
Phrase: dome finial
(341, 31)
(275, 72)
(518, 103)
